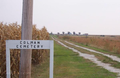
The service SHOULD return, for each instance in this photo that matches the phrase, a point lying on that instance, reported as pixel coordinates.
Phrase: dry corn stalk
(13, 32)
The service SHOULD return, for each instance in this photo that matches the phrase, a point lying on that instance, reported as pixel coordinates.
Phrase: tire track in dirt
(115, 58)
(93, 59)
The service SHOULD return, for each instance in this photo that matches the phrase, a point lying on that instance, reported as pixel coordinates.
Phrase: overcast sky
(85, 16)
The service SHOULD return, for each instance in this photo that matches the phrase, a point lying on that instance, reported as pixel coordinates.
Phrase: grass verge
(68, 64)
(102, 58)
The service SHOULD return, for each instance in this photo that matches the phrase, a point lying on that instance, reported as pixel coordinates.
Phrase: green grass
(102, 58)
(41, 70)
(68, 64)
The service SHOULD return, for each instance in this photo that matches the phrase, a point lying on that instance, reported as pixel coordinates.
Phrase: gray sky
(85, 16)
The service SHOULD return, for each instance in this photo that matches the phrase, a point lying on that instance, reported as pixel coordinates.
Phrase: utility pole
(25, 55)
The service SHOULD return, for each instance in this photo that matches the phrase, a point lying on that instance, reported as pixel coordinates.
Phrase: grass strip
(102, 58)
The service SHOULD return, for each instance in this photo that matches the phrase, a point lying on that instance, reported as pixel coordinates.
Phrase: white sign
(29, 44)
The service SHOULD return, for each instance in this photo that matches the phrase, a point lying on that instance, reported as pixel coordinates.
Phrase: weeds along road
(92, 57)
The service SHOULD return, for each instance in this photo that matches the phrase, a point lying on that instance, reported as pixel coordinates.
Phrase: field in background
(13, 32)
(107, 43)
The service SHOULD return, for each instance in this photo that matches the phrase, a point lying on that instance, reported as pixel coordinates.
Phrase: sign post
(29, 44)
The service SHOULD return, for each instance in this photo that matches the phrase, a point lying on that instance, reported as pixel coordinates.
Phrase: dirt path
(115, 58)
(93, 59)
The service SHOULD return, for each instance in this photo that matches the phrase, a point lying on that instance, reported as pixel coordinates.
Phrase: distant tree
(51, 33)
(79, 33)
(73, 33)
(69, 33)
(58, 33)
(63, 33)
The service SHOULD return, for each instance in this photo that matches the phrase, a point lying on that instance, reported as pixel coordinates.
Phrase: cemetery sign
(29, 44)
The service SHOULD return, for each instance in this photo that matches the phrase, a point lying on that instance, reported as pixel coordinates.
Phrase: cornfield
(13, 32)
(108, 43)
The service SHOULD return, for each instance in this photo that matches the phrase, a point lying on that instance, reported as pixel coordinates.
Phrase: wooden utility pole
(25, 55)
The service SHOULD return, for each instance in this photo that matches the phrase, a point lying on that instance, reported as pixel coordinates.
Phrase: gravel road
(93, 58)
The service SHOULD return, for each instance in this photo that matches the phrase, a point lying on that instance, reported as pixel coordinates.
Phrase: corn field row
(111, 44)
(13, 32)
